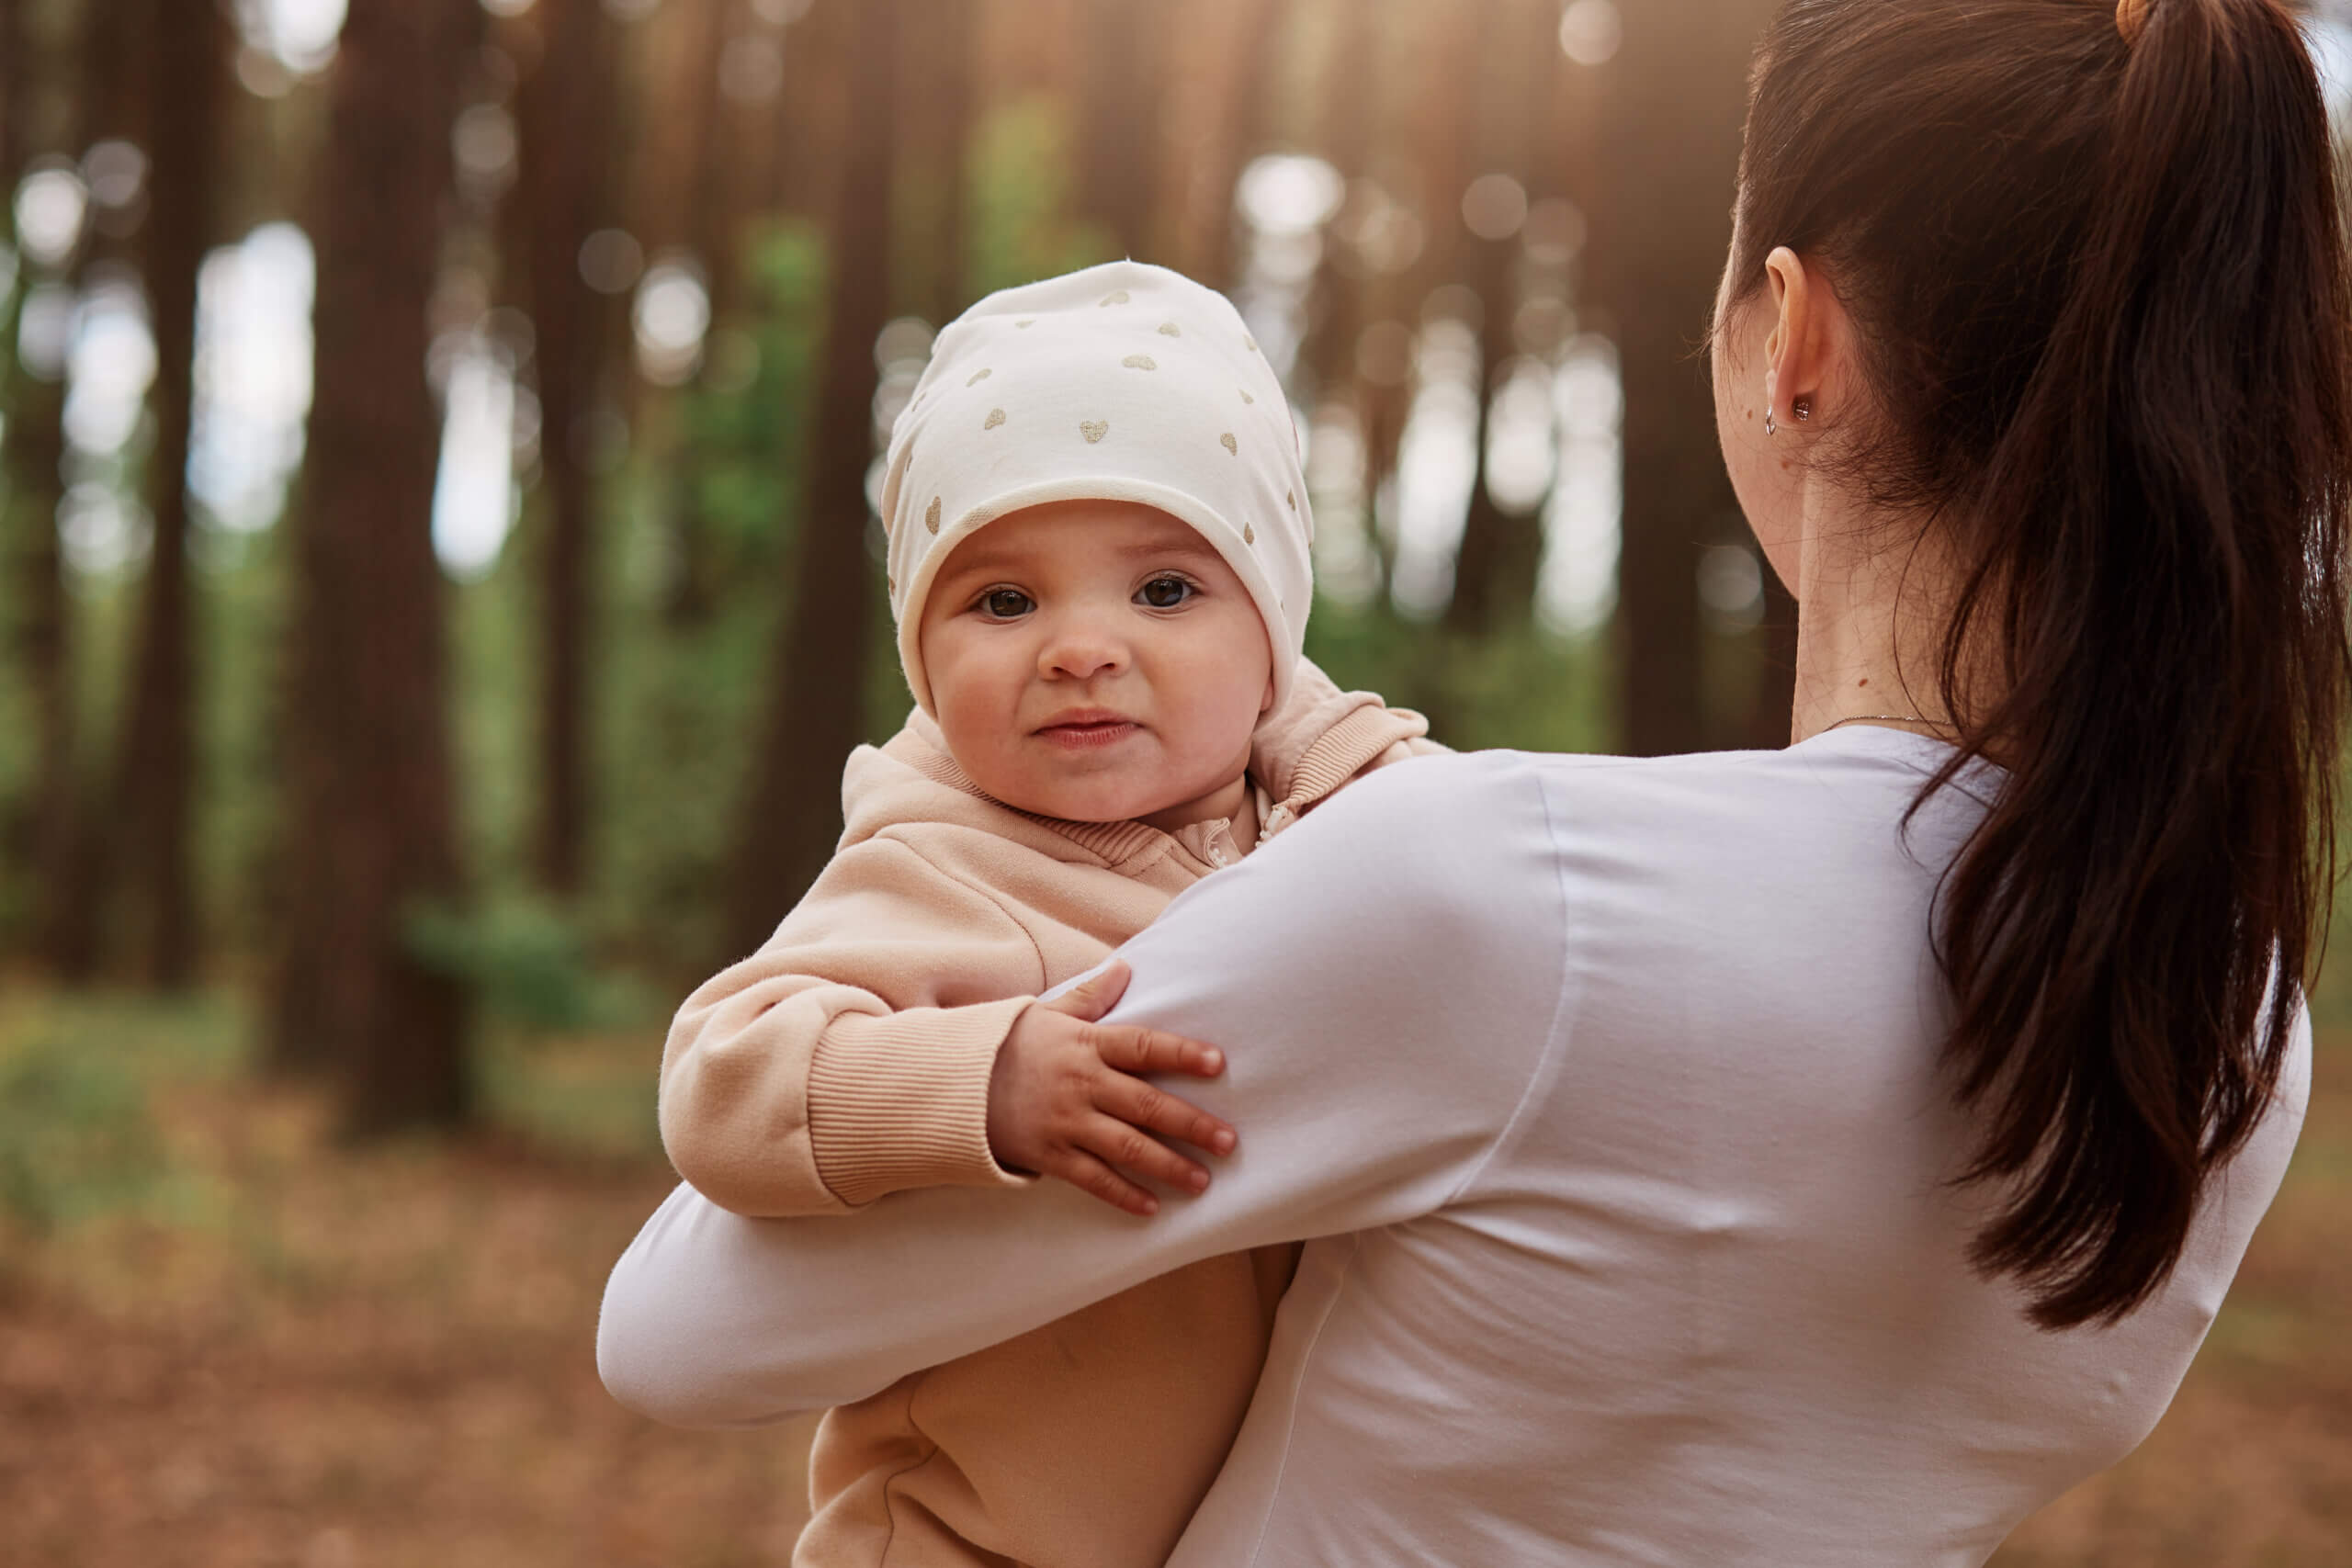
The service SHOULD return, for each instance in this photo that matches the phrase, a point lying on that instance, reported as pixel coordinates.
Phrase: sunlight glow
(1576, 585)
(671, 317)
(109, 366)
(475, 501)
(1437, 463)
(1591, 32)
(253, 375)
(51, 204)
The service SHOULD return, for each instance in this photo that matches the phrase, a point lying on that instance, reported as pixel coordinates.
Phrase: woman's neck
(1872, 610)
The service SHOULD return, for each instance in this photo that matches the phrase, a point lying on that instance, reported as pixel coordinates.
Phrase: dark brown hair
(2100, 290)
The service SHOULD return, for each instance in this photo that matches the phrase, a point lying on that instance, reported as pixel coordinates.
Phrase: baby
(1098, 564)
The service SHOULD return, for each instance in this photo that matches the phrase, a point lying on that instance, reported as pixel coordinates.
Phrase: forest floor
(226, 1340)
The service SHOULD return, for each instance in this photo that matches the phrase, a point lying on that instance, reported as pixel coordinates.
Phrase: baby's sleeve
(850, 1057)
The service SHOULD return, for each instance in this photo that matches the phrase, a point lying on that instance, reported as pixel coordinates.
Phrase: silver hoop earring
(1771, 425)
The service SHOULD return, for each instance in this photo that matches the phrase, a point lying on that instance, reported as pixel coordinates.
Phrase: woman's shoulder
(1484, 839)
(1829, 776)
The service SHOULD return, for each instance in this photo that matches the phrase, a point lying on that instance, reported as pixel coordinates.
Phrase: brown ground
(257, 1350)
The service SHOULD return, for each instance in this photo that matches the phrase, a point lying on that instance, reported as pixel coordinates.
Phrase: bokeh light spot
(52, 201)
(1592, 31)
(670, 319)
(1494, 207)
(611, 261)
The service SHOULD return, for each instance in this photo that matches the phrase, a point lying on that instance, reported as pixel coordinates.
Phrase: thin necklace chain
(1891, 718)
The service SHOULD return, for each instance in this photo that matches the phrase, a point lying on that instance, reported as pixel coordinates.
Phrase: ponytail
(2108, 339)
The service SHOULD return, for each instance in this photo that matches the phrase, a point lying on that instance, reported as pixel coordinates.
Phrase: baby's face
(1095, 661)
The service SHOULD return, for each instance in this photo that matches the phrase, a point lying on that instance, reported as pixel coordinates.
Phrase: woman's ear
(1794, 353)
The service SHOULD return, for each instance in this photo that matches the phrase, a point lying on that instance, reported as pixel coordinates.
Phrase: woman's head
(2089, 273)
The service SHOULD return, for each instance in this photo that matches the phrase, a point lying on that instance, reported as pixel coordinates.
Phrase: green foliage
(683, 696)
(74, 1133)
(585, 1093)
(526, 963)
(746, 436)
(1022, 227)
(241, 694)
(1520, 687)
(78, 1138)
(2332, 997)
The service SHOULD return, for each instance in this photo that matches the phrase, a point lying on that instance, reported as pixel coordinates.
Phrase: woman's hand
(1064, 1101)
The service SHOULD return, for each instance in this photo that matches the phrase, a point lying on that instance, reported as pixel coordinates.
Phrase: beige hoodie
(849, 1059)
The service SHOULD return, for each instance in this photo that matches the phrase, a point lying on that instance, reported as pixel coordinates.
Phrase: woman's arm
(1386, 979)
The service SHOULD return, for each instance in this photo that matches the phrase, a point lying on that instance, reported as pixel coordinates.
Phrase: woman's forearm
(1380, 1031)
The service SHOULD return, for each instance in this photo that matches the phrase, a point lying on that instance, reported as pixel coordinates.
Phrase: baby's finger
(1091, 1176)
(1134, 1050)
(1154, 1110)
(1140, 1157)
(1095, 995)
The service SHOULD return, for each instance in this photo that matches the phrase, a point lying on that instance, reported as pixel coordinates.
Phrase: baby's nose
(1080, 652)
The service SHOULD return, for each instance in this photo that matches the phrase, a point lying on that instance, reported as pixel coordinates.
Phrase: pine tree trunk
(715, 217)
(373, 833)
(1494, 543)
(1668, 225)
(947, 44)
(1494, 579)
(1207, 251)
(41, 835)
(566, 108)
(1118, 157)
(1350, 100)
(793, 813)
(79, 855)
(154, 792)
(709, 224)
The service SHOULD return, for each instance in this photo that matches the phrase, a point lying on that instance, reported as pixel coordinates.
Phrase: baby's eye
(1165, 592)
(1007, 603)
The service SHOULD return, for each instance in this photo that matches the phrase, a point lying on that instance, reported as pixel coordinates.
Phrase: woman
(1823, 1156)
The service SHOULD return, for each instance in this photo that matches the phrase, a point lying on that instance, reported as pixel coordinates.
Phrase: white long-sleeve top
(1605, 1092)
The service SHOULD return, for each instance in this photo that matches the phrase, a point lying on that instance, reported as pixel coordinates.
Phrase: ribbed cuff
(903, 1100)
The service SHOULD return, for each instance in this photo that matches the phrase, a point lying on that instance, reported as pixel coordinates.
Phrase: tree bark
(1118, 161)
(1494, 578)
(793, 812)
(566, 108)
(1350, 101)
(1670, 178)
(715, 219)
(41, 835)
(1207, 249)
(154, 790)
(712, 227)
(1495, 560)
(947, 43)
(373, 831)
(78, 854)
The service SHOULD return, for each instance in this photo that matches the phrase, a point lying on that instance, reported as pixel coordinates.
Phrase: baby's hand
(1063, 1101)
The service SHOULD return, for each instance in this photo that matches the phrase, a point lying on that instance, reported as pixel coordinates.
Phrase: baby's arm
(1064, 1100)
(852, 1056)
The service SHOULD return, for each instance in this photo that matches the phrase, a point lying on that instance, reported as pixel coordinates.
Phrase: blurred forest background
(438, 592)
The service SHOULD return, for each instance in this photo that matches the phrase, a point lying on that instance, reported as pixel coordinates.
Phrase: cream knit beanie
(1122, 382)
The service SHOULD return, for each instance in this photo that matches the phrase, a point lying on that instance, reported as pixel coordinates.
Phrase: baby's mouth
(1087, 730)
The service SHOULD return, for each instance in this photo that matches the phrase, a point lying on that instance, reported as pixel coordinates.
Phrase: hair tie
(2131, 19)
